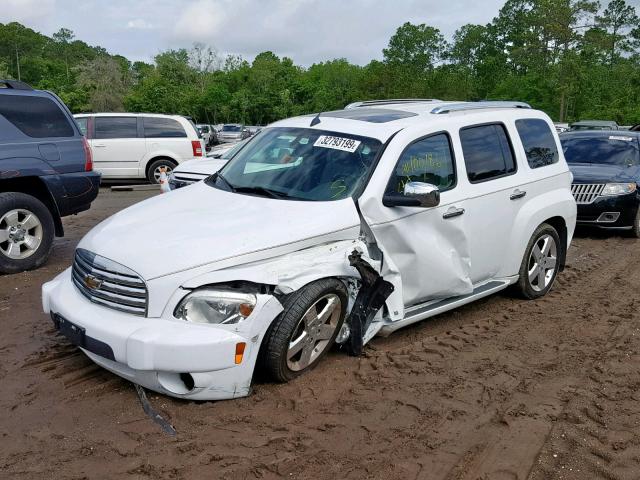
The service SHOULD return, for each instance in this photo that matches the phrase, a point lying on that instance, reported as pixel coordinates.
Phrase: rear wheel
(304, 332)
(153, 174)
(540, 264)
(26, 232)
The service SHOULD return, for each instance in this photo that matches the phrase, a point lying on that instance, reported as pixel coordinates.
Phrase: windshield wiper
(226, 182)
(262, 191)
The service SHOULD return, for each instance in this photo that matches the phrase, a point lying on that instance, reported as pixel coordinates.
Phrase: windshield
(300, 164)
(612, 150)
(232, 128)
(232, 151)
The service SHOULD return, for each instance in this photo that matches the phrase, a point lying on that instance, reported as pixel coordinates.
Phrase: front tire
(635, 230)
(26, 232)
(305, 331)
(540, 264)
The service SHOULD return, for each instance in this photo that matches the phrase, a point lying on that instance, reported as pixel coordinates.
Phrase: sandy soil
(500, 389)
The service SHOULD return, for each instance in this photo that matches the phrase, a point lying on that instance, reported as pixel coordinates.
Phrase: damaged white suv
(322, 229)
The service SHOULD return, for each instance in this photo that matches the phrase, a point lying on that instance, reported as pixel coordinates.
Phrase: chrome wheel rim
(20, 234)
(313, 332)
(542, 263)
(157, 172)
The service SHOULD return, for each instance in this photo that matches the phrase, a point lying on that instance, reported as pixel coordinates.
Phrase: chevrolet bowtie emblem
(92, 282)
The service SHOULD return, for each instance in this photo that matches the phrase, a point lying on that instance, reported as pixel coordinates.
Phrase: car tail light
(196, 145)
(88, 157)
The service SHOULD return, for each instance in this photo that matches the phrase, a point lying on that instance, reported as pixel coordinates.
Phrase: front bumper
(160, 353)
(624, 205)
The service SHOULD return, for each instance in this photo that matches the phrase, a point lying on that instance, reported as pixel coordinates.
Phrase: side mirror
(416, 194)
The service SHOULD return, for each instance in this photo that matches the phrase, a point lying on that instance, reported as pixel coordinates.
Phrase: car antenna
(316, 120)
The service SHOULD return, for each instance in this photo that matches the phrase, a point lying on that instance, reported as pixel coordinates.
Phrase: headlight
(215, 306)
(618, 188)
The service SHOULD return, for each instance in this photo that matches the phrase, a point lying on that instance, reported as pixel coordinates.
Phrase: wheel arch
(560, 225)
(35, 187)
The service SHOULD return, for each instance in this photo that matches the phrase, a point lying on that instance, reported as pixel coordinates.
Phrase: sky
(308, 31)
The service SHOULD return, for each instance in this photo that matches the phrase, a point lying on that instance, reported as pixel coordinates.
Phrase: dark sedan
(606, 177)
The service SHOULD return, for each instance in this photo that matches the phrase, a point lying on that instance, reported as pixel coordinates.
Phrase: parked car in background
(208, 134)
(593, 125)
(561, 127)
(45, 174)
(253, 129)
(322, 229)
(138, 145)
(606, 177)
(193, 171)
(232, 133)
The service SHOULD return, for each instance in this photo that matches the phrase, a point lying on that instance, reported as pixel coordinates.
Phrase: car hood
(602, 173)
(202, 225)
(201, 167)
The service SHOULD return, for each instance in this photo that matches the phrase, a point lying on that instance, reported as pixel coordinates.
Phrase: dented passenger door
(425, 250)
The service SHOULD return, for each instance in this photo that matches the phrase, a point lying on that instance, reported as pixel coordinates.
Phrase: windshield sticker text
(337, 143)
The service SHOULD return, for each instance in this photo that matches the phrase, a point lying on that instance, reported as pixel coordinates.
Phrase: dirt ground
(500, 389)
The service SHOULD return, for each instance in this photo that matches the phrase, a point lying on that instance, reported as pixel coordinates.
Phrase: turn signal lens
(245, 309)
(240, 352)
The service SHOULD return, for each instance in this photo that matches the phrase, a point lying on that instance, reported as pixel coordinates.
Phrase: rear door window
(116, 127)
(82, 125)
(428, 160)
(538, 142)
(162, 128)
(37, 117)
(487, 152)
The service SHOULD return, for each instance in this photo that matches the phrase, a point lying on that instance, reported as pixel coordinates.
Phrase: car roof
(595, 122)
(127, 114)
(384, 118)
(599, 133)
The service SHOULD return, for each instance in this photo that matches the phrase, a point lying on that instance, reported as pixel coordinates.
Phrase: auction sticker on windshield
(337, 143)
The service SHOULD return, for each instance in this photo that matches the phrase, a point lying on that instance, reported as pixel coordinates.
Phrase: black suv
(45, 174)
(606, 177)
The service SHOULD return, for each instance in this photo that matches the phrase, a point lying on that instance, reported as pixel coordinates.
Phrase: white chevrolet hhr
(322, 229)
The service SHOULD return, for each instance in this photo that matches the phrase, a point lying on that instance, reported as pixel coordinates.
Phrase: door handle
(99, 145)
(517, 194)
(453, 212)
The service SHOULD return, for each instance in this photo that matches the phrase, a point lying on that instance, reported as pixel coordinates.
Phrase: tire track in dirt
(483, 392)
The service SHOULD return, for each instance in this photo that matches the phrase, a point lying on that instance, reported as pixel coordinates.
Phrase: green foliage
(574, 59)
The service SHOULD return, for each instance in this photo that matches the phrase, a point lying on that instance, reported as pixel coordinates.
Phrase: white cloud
(139, 24)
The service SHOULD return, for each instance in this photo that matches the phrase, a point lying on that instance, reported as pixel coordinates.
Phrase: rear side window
(162, 128)
(116, 127)
(37, 117)
(538, 142)
(487, 152)
(428, 160)
(82, 125)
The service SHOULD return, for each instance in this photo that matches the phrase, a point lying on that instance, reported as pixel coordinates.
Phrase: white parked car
(193, 171)
(138, 145)
(321, 230)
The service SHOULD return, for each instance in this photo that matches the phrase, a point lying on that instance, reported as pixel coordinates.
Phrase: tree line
(574, 59)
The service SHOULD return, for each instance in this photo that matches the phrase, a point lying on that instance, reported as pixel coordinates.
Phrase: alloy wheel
(542, 262)
(20, 234)
(157, 172)
(313, 332)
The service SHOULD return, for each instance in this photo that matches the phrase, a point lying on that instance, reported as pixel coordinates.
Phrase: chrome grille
(108, 283)
(586, 193)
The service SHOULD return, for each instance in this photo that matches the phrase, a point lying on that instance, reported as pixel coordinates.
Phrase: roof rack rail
(14, 84)
(370, 103)
(460, 107)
